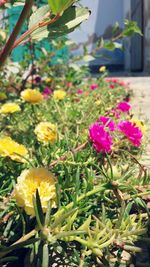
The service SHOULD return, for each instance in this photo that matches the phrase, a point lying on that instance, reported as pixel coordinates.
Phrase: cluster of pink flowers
(101, 139)
(132, 132)
(93, 87)
(116, 81)
(99, 133)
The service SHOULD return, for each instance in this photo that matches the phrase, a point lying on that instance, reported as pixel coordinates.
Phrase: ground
(141, 104)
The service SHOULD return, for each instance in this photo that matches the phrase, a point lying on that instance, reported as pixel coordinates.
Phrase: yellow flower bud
(102, 69)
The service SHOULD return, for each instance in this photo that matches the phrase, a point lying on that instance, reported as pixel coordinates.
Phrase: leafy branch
(9, 45)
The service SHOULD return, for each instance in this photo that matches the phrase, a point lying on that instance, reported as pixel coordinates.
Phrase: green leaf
(88, 58)
(70, 19)
(45, 258)
(109, 45)
(35, 18)
(141, 202)
(58, 6)
(118, 45)
(85, 226)
(48, 214)
(131, 27)
(38, 210)
(60, 219)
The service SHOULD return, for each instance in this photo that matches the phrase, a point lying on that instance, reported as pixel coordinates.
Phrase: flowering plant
(71, 184)
(66, 160)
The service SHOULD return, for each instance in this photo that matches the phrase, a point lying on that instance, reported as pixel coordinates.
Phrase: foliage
(101, 209)
(65, 196)
(57, 18)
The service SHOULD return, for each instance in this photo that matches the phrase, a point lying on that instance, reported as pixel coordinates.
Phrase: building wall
(104, 15)
(127, 41)
(147, 35)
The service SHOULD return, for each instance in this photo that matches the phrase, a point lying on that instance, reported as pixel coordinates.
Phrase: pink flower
(111, 80)
(79, 91)
(123, 84)
(124, 106)
(102, 141)
(69, 84)
(117, 82)
(132, 132)
(107, 122)
(47, 91)
(112, 86)
(93, 86)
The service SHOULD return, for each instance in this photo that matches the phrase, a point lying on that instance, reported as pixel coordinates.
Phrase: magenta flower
(111, 86)
(132, 132)
(117, 82)
(102, 141)
(93, 86)
(38, 79)
(47, 92)
(79, 91)
(107, 122)
(124, 106)
(111, 80)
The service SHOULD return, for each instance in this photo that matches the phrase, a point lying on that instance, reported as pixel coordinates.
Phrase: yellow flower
(59, 94)
(46, 132)
(27, 184)
(139, 124)
(102, 69)
(10, 148)
(9, 108)
(3, 96)
(48, 80)
(32, 96)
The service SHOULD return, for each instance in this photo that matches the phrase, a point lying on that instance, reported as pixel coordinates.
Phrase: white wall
(104, 14)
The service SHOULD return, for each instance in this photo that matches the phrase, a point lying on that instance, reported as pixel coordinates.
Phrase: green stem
(9, 45)
(133, 249)
(26, 237)
(96, 190)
